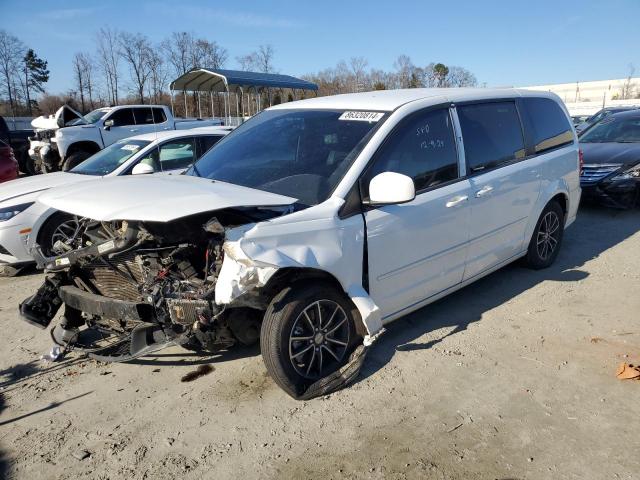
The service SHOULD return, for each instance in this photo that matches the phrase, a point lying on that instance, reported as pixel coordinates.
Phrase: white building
(585, 98)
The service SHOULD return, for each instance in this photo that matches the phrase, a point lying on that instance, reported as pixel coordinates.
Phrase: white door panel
(418, 249)
(500, 207)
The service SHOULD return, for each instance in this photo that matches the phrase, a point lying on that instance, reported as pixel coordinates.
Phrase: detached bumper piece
(105, 306)
(39, 309)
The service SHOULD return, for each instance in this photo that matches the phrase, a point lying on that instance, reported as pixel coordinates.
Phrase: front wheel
(61, 228)
(307, 333)
(547, 237)
(74, 160)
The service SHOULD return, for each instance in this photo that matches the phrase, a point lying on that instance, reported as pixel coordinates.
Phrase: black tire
(50, 233)
(547, 237)
(284, 314)
(74, 160)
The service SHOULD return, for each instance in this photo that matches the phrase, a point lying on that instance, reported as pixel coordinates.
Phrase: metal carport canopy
(219, 80)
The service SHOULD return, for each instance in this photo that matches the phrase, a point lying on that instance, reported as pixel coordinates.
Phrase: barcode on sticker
(362, 116)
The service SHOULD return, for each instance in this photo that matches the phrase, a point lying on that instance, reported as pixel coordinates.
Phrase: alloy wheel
(548, 235)
(319, 339)
(66, 232)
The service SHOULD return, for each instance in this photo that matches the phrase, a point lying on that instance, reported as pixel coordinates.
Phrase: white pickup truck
(67, 138)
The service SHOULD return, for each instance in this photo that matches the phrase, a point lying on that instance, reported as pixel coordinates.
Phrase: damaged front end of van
(132, 284)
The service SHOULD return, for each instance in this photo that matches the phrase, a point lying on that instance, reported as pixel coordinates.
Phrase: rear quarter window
(549, 126)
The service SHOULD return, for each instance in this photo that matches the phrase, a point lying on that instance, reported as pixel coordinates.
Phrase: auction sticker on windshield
(132, 148)
(362, 116)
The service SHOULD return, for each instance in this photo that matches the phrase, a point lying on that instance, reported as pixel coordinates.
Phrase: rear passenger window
(492, 134)
(549, 125)
(423, 148)
(143, 116)
(159, 116)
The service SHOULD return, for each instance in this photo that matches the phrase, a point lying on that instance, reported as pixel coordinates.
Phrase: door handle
(455, 201)
(133, 130)
(486, 190)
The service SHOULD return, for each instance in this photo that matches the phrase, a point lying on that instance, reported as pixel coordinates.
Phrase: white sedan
(23, 223)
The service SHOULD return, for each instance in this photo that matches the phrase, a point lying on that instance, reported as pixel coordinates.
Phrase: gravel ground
(510, 378)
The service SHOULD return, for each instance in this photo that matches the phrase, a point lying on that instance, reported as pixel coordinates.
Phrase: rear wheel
(547, 237)
(308, 333)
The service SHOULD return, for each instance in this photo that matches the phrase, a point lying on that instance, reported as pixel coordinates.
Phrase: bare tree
(135, 50)
(357, 65)
(83, 72)
(247, 62)
(158, 75)
(461, 77)
(264, 58)
(109, 61)
(404, 68)
(179, 51)
(627, 87)
(11, 54)
(208, 54)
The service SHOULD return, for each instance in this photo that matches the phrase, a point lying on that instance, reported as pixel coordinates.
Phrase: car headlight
(631, 173)
(7, 213)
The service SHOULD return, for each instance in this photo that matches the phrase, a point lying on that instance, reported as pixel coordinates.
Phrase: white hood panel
(155, 198)
(38, 183)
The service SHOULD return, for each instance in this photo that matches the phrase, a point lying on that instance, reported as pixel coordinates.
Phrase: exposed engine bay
(132, 287)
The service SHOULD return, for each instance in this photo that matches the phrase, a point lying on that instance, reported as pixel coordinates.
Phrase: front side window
(492, 134)
(207, 142)
(110, 158)
(122, 118)
(299, 153)
(423, 148)
(173, 155)
(549, 125)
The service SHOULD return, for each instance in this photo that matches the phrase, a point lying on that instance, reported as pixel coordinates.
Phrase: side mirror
(108, 124)
(390, 188)
(142, 169)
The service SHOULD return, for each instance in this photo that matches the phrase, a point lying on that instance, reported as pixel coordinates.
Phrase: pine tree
(36, 75)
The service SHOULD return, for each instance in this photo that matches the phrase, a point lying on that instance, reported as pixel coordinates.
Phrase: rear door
(418, 249)
(146, 121)
(505, 185)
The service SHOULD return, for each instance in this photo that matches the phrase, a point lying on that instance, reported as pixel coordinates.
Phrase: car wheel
(60, 227)
(307, 333)
(74, 160)
(547, 237)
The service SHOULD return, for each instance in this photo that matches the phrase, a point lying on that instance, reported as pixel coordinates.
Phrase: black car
(611, 152)
(601, 115)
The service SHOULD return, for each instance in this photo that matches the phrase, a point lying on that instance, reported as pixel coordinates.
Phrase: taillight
(581, 160)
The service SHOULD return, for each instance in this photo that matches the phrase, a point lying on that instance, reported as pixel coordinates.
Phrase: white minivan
(313, 225)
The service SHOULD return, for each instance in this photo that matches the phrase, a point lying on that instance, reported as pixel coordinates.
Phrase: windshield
(107, 160)
(618, 130)
(297, 153)
(91, 117)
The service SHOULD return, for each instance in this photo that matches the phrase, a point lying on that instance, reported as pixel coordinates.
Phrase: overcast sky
(503, 43)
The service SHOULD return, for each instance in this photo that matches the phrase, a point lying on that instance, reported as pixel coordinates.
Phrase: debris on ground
(54, 354)
(201, 371)
(626, 371)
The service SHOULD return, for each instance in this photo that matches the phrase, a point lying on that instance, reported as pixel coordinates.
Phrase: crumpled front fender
(318, 239)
